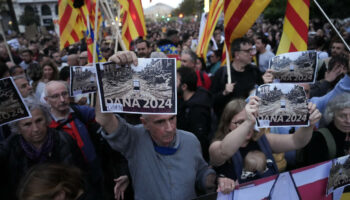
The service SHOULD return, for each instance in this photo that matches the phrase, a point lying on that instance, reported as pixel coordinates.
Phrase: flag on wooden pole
(215, 10)
(296, 27)
(133, 21)
(89, 19)
(240, 15)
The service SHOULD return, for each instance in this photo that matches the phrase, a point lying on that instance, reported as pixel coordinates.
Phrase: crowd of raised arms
(210, 145)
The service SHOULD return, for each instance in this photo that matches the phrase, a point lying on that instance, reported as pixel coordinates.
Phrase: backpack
(331, 146)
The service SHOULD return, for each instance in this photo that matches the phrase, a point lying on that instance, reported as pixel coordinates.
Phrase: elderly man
(73, 60)
(83, 58)
(24, 87)
(189, 59)
(164, 162)
(78, 122)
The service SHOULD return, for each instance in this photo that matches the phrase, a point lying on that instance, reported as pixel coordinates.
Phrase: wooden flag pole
(117, 30)
(6, 45)
(228, 66)
(335, 29)
(95, 31)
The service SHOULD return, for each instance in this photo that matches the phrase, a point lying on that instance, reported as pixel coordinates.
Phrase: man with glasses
(79, 122)
(244, 76)
(164, 162)
(57, 96)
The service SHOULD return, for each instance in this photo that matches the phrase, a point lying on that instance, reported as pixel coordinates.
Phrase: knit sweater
(156, 176)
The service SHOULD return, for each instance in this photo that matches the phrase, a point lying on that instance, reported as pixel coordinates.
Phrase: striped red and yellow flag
(240, 15)
(295, 28)
(133, 21)
(88, 12)
(71, 23)
(215, 10)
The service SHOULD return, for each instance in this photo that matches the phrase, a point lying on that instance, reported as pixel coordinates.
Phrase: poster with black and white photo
(82, 80)
(282, 105)
(12, 107)
(149, 87)
(339, 174)
(295, 67)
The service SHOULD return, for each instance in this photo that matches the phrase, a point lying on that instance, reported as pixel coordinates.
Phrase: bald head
(73, 60)
(57, 96)
(83, 58)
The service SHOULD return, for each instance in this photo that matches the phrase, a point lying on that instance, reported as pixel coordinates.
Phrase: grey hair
(192, 55)
(54, 82)
(338, 102)
(33, 105)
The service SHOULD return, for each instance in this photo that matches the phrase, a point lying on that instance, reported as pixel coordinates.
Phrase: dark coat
(245, 82)
(14, 163)
(194, 115)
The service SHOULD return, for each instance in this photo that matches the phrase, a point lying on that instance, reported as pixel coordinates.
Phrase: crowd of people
(68, 149)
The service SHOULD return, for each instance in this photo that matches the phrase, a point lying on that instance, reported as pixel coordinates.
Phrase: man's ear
(184, 86)
(144, 122)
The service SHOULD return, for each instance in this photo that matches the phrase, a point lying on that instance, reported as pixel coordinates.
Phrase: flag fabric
(240, 15)
(296, 27)
(89, 19)
(215, 10)
(90, 45)
(76, 18)
(133, 21)
(71, 22)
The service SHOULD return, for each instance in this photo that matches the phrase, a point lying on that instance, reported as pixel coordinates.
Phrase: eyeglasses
(56, 96)
(237, 123)
(248, 50)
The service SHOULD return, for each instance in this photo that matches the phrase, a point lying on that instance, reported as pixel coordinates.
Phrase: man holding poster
(167, 159)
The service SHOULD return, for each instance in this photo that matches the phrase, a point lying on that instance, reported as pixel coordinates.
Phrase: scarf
(38, 155)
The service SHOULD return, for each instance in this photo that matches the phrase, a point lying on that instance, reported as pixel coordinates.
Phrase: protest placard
(295, 67)
(282, 105)
(82, 80)
(339, 175)
(147, 88)
(12, 107)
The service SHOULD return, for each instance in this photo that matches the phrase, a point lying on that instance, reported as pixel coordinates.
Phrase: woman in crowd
(35, 143)
(236, 137)
(52, 181)
(334, 140)
(50, 72)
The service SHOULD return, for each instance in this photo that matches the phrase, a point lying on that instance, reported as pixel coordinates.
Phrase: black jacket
(316, 150)
(14, 163)
(194, 115)
(245, 82)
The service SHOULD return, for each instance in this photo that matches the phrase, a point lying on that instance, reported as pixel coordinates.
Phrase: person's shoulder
(317, 138)
(83, 107)
(188, 136)
(270, 53)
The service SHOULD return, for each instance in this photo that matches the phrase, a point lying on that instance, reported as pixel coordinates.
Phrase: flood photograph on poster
(295, 67)
(282, 105)
(146, 88)
(12, 107)
(83, 80)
